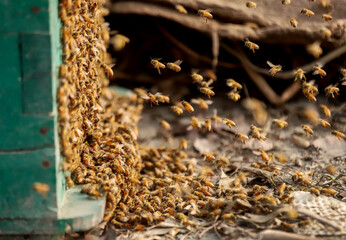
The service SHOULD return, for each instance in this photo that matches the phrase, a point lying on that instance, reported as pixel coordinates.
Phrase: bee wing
(157, 94)
(145, 97)
(194, 70)
(270, 64)
(209, 10)
(178, 62)
(210, 82)
(315, 73)
(209, 102)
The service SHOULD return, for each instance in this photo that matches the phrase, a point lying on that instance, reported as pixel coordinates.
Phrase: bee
(280, 123)
(281, 158)
(233, 95)
(205, 14)
(187, 106)
(207, 124)
(300, 177)
(41, 188)
(338, 134)
(265, 156)
(293, 22)
(208, 157)
(325, 33)
(156, 64)
(180, 9)
(162, 98)
(242, 137)
(165, 125)
(324, 123)
(307, 12)
(255, 133)
(174, 66)
(331, 169)
(183, 144)
(252, 46)
(250, 4)
(314, 49)
(207, 91)
(329, 191)
(228, 122)
(177, 110)
(203, 104)
(343, 79)
(286, 2)
(228, 216)
(325, 3)
(69, 181)
(274, 68)
(233, 84)
(327, 17)
(195, 123)
(299, 75)
(152, 98)
(319, 70)
(119, 41)
(108, 69)
(281, 189)
(197, 78)
(307, 129)
(331, 90)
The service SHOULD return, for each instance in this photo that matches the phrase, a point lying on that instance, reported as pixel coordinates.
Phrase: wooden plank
(37, 74)
(18, 171)
(24, 16)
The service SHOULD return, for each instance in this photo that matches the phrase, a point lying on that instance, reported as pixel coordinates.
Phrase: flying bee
(318, 70)
(293, 22)
(207, 124)
(255, 133)
(206, 84)
(195, 123)
(203, 104)
(242, 137)
(180, 9)
(207, 91)
(162, 98)
(187, 106)
(152, 98)
(197, 78)
(280, 123)
(286, 2)
(250, 4)
(235, 96)
(228, 122)
(41, 188)
(205, 14)
(108, 69)
(331, 90)
(299, 75)
(208, 157)
(174, 66)
(177, 110)
(307, 129)
(327, 17)
(165, 125)
(274, 68)
(156, 64)
(119, 41)
(324, 123)
(233, 84)
(325, 33)
(183, 144)
(252, 46)
(338, 134)
(307, 12)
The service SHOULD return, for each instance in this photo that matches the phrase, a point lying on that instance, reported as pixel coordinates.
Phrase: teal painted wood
(37, 74)
(18, 172)
(24, 16)
(77, 213)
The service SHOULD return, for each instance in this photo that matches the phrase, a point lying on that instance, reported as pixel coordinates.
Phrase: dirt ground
(317, 215)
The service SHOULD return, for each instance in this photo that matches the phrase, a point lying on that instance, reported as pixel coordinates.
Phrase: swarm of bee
(142, 185)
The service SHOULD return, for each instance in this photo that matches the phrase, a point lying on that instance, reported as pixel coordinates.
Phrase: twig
(275, 234)
(318, 218)
(208, 229)
(194, 54)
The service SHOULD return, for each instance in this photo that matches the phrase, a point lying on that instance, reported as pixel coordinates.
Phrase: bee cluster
(143, 185)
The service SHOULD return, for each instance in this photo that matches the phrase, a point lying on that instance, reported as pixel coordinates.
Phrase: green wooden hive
(29, 145)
